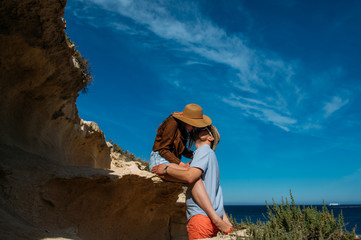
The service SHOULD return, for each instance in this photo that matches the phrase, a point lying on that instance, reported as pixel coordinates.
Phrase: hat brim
(216, 136)
(195, 122)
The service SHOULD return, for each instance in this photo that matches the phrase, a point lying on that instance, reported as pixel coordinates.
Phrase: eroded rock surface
(41, 199)
(39, 84)
(56, 176)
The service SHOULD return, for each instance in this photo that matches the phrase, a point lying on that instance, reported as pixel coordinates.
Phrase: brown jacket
(171, 141)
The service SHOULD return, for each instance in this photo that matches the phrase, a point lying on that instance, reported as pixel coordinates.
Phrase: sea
(254, 213)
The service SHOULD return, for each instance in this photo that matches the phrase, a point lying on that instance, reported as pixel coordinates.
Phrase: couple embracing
(204, 199)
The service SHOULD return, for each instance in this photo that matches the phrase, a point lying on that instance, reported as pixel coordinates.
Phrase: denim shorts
(156, 159)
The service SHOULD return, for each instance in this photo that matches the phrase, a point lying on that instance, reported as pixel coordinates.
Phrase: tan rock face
(39, 85)
(42, 199)
(128, 208)
(56, 180)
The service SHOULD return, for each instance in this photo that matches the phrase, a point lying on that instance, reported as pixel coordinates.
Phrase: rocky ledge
(58, 177)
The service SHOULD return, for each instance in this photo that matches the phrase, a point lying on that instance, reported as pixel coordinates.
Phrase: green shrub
(84, 66)
(118, 149)
(290, 221)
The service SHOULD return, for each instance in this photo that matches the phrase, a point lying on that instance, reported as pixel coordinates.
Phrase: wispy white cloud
(335, 104)
(262, 85)
(259, 110)
(198, 34)
(193, 62)
(254, 71)
(252, 101)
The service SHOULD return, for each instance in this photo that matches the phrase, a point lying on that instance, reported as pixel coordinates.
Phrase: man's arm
(190, 175)
(225, 218)
(201, 197)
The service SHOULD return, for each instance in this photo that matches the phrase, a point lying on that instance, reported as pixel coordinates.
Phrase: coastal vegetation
(82, 63)
(128, 156)
(291, 221)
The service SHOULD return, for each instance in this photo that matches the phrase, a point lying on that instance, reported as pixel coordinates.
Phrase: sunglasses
(204, 129)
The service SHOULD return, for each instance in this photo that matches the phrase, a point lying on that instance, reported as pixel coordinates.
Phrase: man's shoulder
(204, 157)
(203, 151)
(205, 148)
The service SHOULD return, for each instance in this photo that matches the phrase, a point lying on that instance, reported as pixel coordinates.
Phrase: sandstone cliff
(56, 176)
(39, 86)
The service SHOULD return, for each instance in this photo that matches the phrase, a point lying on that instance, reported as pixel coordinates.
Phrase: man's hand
(159, 169)
(228, 229)
(223, 226)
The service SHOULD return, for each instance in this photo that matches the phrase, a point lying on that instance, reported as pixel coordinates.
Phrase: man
(205, 167)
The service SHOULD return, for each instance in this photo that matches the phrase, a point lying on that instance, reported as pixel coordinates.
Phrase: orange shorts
(200, 227)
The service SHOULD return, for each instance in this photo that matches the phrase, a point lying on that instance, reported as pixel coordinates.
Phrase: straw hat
(216, 136)
(193, 115)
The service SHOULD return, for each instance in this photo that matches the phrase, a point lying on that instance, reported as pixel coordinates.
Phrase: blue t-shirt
(205, 159)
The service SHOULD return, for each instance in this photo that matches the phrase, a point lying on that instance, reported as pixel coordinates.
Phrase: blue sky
(280, 80)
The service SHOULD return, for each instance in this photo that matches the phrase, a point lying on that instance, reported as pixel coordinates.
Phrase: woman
(173, 141)
(174, 133)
